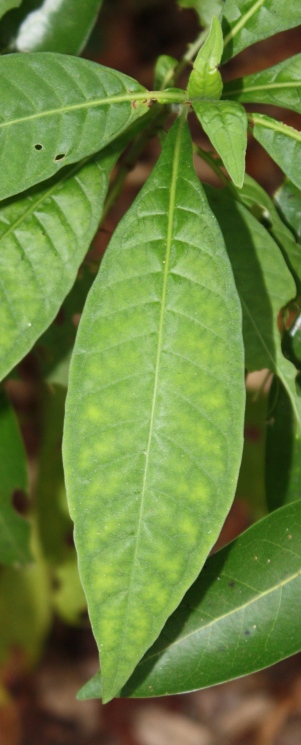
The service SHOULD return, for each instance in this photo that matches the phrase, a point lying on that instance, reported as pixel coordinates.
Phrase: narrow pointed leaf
(256, 199)
(288, 200)
(6, 5)
(225, 123)
(206, 9)
(205, 80)
(56, 26)
(283, 143)
(56, 110)
(154, 411)
(14, 529)
(247, 21)
(279, 85)
(283, 450)
(264, 284)
(234, 620)
(44, 235)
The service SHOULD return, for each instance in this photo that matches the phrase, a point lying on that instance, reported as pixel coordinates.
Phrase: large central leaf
(154, 411)
(56, 110)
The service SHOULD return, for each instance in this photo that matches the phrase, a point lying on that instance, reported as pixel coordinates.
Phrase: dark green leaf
(283, 450)
(6, 5)
(14, 529)
(205, 81)
(225, 123)
(51, 26)
(44, 235)
(288, 200)
(154, 411)
(206, 9)
(283, 143)
(279, 85)
(56, 110)
(239, 616)
(248, 21)
(265, 285)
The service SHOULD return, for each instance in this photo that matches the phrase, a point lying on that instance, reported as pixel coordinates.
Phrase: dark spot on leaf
(231, 584)
(20, 502)
(38, 146)
(60, 156)
(247, 632)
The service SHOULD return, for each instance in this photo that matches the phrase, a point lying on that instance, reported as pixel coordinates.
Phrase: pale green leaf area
(154, 411)
(283, 450)
(288, 201)
(6, 5)
(14, 529)
(205, 9)
(245, 22)
(225, 123)
(55, 26)
(239, 616)
(56, 110)
(205, 80)
(44, 235)
(279, 85)
(24, 610)
(256, 199)
(264, 284)
(164, 71)
(283, 143)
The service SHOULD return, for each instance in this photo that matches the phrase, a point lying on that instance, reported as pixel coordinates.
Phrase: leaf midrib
(263, 87)
(242, 22)
(284, 129)
(232, 612)
(171, 210)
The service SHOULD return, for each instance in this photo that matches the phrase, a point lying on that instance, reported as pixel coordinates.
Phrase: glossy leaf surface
(54, 26)
(14, 529)
(283, 143)
(206, 9)
(288, 200)
(225, 123)
(205, 80)
(248, 21)
(279, 85)
(265, 285)
(283, 450)
(56, 110)
(44, 235)
(6, 5)
(154, 411)
(239, 616)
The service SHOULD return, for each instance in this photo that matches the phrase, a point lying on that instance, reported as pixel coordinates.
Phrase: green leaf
(205, 80)
(279, 85)
(288, 201)
(56, 110)
(283, 450)
(60, 26)
(164, 71)
(44, 235)
(14, 529)
(234, 620)
(154, 411)
(264, 284)
(283, 143)
(225, 123)
(206, 9)
(247, 21)
(255, 198)
(6, 5)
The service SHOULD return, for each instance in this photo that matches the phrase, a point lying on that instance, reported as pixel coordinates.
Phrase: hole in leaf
(60, 156)
(20, 502)
(38, 146)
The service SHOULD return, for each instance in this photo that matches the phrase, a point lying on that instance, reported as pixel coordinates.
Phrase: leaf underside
(245, 22)
(283, 143)
(279, 85)
(154, 411)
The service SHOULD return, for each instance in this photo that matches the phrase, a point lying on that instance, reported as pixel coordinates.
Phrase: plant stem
(191, 53)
